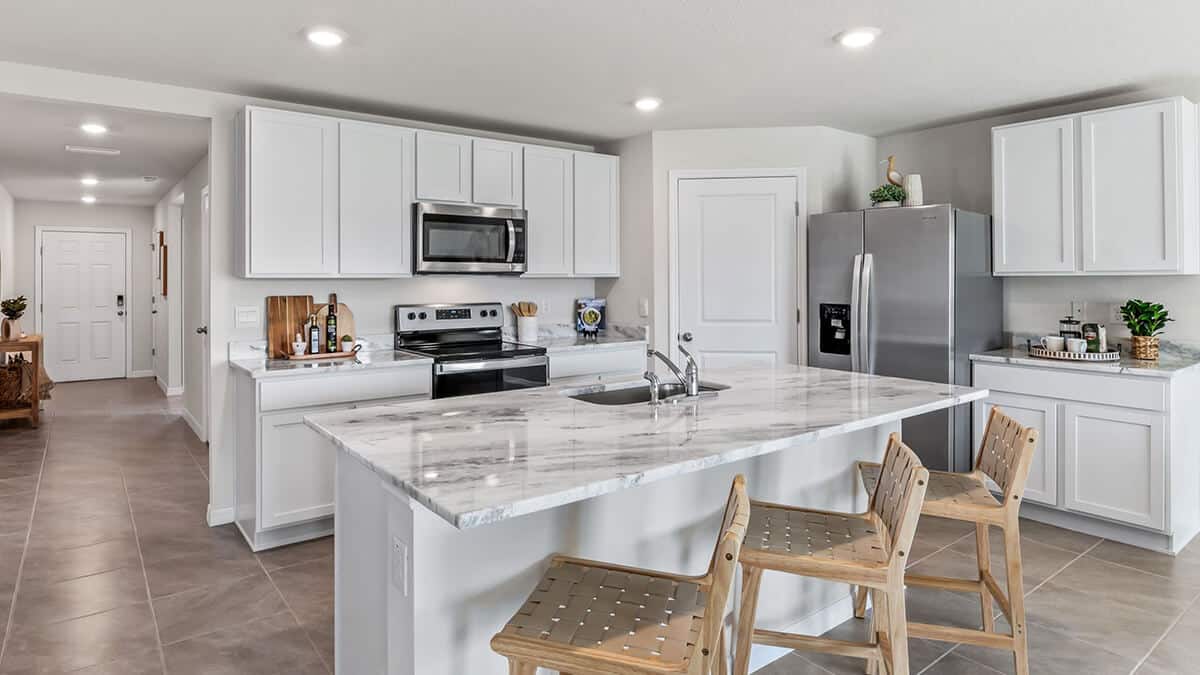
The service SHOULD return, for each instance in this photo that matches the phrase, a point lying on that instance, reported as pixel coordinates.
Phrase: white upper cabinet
(597, 216)
(1132, 170)
(496, 172)
(377, 185)
(549, 203)
(290, 194)
(1107, 192)
(443, 167)
(1033, 188)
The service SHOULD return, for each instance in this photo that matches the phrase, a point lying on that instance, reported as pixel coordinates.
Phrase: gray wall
(7, 245)
(955, 163)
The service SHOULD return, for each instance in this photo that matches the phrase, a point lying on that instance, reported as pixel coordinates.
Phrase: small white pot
(347, 345)
(527, 329)
(884, 205)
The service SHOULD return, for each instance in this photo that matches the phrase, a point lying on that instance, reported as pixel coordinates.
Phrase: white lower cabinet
(284, 470)
(627, 359)
(1115, 452)
(1040, 414)
(1115, 463)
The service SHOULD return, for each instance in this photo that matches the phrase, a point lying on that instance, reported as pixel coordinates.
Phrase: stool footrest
(862, 650)
(946, 583)
(998, 595)
(968, 636)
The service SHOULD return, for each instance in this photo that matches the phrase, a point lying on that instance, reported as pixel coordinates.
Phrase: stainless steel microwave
(466, 239)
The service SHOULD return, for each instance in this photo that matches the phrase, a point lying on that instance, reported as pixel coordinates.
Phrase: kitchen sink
(629, 394)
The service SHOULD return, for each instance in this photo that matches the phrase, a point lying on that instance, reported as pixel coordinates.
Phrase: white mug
(1076, 345)
(1054, 343)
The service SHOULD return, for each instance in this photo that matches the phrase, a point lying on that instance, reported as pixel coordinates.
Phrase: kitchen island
(448, 509)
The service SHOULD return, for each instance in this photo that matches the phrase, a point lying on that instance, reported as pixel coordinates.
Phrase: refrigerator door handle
(855, 310)
(864, 320)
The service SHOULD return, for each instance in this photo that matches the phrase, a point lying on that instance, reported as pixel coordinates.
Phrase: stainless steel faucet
(689, 378)
(654, 385)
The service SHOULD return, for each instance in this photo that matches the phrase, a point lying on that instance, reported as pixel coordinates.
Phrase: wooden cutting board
(286, 316)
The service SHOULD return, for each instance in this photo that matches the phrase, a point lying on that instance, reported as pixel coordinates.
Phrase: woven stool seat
(950, 495)
(634, 614)
(778, 532)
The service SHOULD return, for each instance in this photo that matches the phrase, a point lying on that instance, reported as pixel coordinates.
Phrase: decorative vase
(1145, 347)
(884, 205)
(912, 188)
(10, 329)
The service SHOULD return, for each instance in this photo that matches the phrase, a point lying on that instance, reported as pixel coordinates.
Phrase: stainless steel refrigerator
(906, 292)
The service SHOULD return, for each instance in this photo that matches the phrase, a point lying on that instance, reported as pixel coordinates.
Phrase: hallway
(107, 564)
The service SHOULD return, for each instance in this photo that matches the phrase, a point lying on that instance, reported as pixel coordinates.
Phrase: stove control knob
(422, 316)
(492, 313)
(412, 315)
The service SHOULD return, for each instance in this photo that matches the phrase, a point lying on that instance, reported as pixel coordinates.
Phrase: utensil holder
(527, 329)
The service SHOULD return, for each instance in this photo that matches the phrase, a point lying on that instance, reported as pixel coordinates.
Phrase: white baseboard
(816, 623)
(140, 373)
(219, 516)
(1098, 527)
(195, 425)
(168, 391)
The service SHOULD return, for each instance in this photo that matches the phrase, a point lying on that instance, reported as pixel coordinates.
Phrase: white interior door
(85, 304)
(737, 270)
(159, 313)
(195, 320)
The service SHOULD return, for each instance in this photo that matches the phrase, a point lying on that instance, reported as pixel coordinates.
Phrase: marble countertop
(1168, 365)
(475, 460)
(575, 343)
(259, 368)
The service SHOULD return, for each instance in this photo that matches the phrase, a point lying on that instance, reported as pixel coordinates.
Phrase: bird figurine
(893, 176)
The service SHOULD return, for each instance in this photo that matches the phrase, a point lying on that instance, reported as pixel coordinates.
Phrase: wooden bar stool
(1005, 456)
(870, 548)
(593, 618)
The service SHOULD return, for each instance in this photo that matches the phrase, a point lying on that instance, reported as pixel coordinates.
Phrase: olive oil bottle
(331, 329)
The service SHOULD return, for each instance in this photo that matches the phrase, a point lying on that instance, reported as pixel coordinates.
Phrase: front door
(85, 305)
(737, 270)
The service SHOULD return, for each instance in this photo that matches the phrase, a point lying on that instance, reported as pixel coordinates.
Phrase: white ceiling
(570, 69)
(35, 165)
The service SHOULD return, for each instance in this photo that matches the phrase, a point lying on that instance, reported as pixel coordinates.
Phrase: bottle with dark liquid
(331, 331)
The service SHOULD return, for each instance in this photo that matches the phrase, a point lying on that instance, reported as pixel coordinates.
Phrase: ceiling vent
(150, 179)
(85, 150)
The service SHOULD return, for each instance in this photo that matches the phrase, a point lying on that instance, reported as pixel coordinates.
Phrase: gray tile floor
(107, 567)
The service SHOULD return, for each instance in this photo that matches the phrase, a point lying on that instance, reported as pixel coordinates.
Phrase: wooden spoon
(516, 309)
(533, 309)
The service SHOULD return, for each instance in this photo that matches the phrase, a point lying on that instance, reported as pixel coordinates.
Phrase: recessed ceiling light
(93, 128)
(88, 199)
(857, 38)
(89, 181)
(647, 103)
(325, 36)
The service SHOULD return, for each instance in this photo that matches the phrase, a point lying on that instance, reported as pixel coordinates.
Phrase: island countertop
(475, 460)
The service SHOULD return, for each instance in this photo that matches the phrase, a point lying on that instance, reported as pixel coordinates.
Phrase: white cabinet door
(597, 216)
(1033, 198)
(443, 167)
(1040, 414)
(292, 194)
(550, 212)
(496, 171)
(1132, 215)
(1115, 464)
(296, 470)
(377, 186)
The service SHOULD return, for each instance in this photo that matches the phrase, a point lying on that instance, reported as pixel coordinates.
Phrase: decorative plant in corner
(13, 309)
(887, 195)
(1146, 321)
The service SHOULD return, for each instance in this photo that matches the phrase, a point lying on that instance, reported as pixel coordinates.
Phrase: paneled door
(1033, 195)
(1038, 413)
(737, 270)
(1115, 464)
(85, 305)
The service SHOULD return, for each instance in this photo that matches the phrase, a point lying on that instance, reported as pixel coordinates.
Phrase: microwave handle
(512, 241)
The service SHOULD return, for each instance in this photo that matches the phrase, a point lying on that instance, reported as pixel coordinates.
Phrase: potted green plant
(1146, 321)
(887, 195)
(13, 309)
(347, 343)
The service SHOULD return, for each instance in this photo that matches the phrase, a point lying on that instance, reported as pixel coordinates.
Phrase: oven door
(461, 239)
(463, 378)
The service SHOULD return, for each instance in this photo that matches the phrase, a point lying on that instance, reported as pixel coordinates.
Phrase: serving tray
(1043, 353)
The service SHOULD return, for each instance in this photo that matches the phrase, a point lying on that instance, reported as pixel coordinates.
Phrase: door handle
(864, 322)
(512, 241)
(120, 312)
(685, 337)
(202, 330)
(855, 310)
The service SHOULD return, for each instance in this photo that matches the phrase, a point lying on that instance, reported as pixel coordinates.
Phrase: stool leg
(898, 630)
(879, 627)
(751, 579)
(1016, 597)
(860, 602)
(516, 667)
(983, 553)
(722, 660)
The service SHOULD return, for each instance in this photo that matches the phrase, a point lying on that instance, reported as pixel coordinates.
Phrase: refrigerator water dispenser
(835, 329)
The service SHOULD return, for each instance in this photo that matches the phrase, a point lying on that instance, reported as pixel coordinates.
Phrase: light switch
(399, 560)
(246, 316)
(644, 307)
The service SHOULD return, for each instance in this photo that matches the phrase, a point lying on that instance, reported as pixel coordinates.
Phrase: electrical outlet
(644, 307)
(1078, 309)
(1116, 313)
(399, 556)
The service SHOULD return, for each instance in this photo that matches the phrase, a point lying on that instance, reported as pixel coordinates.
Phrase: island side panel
(464, 584)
